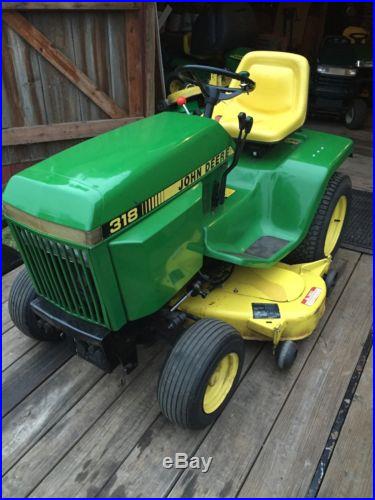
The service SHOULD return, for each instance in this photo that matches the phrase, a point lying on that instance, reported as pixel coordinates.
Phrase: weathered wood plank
(149, 57)
(67, 430)
(29, 371)
(359, 168)
(287, 461)
(237, 437)
(134, 63)
(70, 5)
(61, 97)
(23, 90)
(24, 97)
(91, 48)
(7, 323)
(163, 439)
(160, 439)
(7, 281)
(42, 45)
(14, 345)
(85, 469)
(62, 131)
(117, 59)
(32, 418)
(349, 473)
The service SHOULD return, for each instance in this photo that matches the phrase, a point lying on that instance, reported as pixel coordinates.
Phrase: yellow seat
(279, 102)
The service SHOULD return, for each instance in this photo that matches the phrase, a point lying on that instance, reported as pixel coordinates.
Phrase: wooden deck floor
(70, 430)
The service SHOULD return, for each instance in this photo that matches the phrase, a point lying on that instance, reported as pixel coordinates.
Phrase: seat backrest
(281, 79)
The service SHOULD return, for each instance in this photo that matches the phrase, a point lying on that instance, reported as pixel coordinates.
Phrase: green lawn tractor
(341, 84)
(205, 228)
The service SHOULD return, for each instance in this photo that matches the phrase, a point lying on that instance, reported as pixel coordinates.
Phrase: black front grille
(61, 273)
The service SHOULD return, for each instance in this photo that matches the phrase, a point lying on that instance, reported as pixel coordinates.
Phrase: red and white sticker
(312, 296)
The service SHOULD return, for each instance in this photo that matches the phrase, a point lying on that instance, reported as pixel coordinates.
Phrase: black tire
(189, 367)
(356, 114)
(286, 353)
(21, 295)
(312, 247)
(330, 280)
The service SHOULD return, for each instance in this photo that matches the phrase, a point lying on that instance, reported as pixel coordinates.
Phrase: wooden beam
(134, 50)
(42, 45)
(70, 5)
(61, 131)
(149, 38)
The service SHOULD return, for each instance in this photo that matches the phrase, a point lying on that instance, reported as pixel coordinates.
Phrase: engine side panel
(155, 259)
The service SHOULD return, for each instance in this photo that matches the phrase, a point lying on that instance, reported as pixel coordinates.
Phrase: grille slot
(61, 273)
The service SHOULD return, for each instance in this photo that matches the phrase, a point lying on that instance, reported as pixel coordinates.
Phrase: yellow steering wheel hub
(335, 226)
(220, 382)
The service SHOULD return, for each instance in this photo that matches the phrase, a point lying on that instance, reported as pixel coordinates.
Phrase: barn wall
(111, 47)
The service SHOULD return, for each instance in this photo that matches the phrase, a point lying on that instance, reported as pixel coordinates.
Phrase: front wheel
(21, 295)
(325, 233)
(201, 374)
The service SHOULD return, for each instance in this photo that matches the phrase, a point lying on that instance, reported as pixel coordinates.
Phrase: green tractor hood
(87, 185)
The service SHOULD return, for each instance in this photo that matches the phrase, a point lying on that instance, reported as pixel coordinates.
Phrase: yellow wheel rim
(335, 226)
(221, 382)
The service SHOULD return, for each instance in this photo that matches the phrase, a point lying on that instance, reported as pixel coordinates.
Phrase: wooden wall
(71, 71)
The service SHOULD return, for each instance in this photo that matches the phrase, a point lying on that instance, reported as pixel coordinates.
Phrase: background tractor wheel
(325, 233)
(174, 83)
(356, 115)
(201, 374)
(21, 295)
(286, 353)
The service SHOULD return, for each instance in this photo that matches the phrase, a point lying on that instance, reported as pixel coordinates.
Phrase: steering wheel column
(213, 94)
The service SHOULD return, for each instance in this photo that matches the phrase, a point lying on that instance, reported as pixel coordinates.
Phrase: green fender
(276, 196)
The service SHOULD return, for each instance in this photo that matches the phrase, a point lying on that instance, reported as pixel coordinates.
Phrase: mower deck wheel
(21, 295)
(286, 353)
(330, 280)
(201, 374)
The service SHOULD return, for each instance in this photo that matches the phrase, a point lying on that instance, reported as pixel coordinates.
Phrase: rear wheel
(201, 374)
(356, 114)
(21, 295)
(325, 233)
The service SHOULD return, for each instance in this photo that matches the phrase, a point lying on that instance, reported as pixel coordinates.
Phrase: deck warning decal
(265, 310)
(312, 296)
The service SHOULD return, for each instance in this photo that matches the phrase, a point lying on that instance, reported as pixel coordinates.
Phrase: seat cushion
(279, 102)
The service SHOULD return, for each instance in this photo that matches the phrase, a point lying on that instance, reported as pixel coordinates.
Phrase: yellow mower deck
(281, 303)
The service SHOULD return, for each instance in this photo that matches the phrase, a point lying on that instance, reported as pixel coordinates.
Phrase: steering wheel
(358, 37)
(214, 93)
(336, 40)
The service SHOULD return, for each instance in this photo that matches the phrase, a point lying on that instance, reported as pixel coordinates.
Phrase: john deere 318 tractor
(209, 228)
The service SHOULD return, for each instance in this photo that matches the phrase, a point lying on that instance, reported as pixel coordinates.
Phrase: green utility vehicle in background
(206, 231)
(341, 84)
